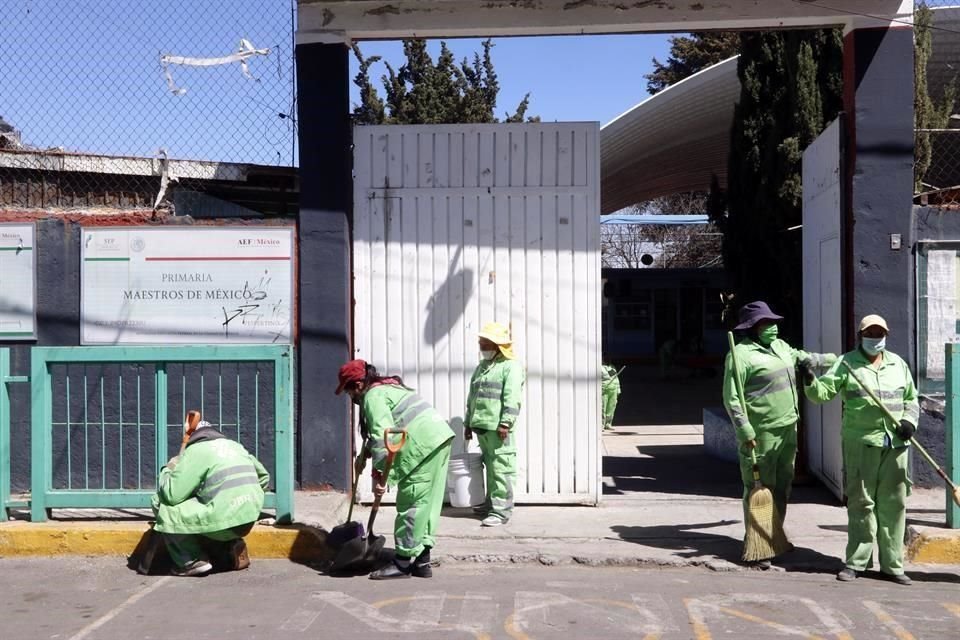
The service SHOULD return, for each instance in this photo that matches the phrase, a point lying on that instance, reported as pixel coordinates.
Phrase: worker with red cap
(419, 470)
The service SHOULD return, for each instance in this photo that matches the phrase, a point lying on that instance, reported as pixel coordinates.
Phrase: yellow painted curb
(934, 546)
(18, 539)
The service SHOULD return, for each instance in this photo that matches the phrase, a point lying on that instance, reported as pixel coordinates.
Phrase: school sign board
(18, 291)
(219, 285)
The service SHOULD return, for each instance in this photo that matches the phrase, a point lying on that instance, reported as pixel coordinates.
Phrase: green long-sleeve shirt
(610, 381)
(496, 389)
(769, 385)
(863, 421)
(390, 406)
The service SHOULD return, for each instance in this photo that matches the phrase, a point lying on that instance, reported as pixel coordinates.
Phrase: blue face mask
(873, 346)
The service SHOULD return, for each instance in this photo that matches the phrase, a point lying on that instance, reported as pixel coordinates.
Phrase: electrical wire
(847, 12)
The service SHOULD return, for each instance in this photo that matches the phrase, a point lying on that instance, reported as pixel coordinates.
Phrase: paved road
(99, 599)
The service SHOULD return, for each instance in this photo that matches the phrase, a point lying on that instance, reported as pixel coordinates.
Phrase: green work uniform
(494, 400)
(215, 490)
(419, 469)
(876, 480)
(610, 384)
(770, 390)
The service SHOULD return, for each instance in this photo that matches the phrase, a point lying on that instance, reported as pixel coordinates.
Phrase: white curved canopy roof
(672, 142)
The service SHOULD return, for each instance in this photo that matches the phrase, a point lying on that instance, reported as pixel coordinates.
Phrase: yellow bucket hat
(500, 336)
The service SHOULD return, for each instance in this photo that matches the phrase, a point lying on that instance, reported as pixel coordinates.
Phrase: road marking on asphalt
(302, 618)
(423, 613)
(477, 612)
(113, 613)
(887, 620)
(952, 607)
(699, 608)
(637, 621)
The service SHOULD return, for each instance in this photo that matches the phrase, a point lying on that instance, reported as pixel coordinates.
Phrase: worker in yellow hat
(493, 406)
(876, 479)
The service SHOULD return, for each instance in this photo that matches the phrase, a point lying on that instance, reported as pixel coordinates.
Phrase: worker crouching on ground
(876, 482)
(769, 426)
(208, 498)
(610, 384)
(493, 405)
(419, 469)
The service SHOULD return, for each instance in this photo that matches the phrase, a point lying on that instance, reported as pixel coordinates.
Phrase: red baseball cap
(353, 371)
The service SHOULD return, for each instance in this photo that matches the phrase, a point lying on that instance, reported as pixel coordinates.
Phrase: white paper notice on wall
(187, 285)
(941, 308)
(18, 291)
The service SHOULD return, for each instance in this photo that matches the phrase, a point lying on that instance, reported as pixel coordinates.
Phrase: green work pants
(776, 451)
(184, 548)
(419, 500)
(876, 486)
(500, 462)
(609, 406)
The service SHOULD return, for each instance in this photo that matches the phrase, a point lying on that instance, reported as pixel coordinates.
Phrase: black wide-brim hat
(754, 312)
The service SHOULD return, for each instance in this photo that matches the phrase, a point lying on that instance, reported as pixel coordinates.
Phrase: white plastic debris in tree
(245, 51)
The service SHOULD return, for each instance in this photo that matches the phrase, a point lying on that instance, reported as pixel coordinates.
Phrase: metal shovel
(360, 553)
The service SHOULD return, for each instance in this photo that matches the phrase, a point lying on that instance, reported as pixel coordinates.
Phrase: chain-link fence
(938, 123)
(135, 103)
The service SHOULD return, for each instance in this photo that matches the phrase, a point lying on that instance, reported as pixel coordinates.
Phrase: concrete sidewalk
(665, 503)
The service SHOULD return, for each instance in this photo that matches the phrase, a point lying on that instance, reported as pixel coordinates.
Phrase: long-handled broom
(954, 488)
(764, 537)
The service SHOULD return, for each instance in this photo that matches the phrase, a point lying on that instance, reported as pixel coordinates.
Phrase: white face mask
(873, 346)
(488, 355)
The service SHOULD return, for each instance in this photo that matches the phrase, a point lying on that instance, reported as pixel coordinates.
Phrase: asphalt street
(101, 599)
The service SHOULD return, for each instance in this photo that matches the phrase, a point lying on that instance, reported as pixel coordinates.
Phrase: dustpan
(358, 553)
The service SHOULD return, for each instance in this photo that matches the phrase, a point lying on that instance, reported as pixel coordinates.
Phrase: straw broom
(764, 537)
(955, 490)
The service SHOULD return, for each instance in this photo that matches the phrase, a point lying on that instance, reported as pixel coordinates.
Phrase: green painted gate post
(283, 369)
(41, 401)
(4, 432)
(952, 427)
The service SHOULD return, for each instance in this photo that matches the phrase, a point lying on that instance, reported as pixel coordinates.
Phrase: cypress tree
(790, 90)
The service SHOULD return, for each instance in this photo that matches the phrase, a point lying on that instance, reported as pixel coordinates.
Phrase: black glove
(906, 430)
(806, 371)
(467, 433)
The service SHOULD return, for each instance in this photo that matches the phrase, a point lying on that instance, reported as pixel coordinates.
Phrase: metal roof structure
(672, 142)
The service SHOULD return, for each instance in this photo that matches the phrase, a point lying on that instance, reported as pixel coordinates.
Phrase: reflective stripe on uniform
(775, 387)
(511, 411)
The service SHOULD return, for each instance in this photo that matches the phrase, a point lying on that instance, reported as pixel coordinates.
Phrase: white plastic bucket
(465, 480)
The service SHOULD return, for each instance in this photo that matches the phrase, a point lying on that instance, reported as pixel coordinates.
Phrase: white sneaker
(492, 521)
(194, 568)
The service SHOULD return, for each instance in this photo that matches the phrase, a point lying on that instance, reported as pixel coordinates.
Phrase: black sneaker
(392, 571)
(192, 569)
(900, 578)
(421, 567)
(847, 574)
(763, 565)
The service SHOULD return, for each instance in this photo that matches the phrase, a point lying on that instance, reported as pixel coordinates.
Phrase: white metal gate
(457, 225)
(822, 286)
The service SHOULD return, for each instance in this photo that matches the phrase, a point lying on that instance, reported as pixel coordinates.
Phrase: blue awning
(655, 219)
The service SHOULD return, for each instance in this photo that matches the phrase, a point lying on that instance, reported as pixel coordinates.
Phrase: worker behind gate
(208, 498)
(876, 481)
(769, 427)
(493, 405)
(610, 386)
(419, 469)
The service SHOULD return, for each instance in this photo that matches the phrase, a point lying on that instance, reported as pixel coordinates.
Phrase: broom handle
(889, 415)
(743, 401)
(392, 450)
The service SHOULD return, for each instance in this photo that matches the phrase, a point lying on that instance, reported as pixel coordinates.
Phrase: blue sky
(86, 75)
(570, 78)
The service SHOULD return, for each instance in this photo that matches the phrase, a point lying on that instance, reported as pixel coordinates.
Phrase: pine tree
(422, 91)
(690, 54)
(790, 90)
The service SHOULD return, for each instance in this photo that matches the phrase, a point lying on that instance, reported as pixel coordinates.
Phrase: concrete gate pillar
(323, 234)
(878, 101)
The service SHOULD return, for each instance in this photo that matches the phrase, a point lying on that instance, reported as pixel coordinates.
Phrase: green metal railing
(952, 427)
(105, 419)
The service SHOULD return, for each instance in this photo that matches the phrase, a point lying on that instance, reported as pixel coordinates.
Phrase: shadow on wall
(447, 304)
